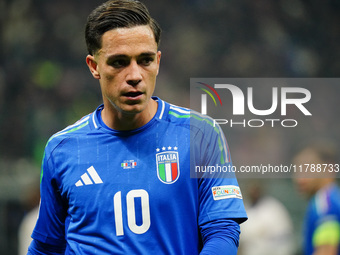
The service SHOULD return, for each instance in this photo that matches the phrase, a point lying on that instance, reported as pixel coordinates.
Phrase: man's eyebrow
(117, 56)
(149, 53)
(143, 54)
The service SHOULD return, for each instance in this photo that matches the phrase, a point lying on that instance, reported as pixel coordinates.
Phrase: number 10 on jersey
(131, 212)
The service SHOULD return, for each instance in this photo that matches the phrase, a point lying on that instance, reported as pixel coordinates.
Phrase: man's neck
(127, 121)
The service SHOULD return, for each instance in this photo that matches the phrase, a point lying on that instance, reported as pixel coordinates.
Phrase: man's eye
(118, 63)
(146, 61)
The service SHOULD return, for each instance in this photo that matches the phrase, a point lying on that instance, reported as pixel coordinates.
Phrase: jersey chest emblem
(167, 166)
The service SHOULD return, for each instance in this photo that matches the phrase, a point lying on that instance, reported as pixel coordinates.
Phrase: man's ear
(92, 64)
(158, 56)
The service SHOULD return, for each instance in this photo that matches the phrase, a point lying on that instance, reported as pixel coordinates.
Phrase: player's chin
(133, 107)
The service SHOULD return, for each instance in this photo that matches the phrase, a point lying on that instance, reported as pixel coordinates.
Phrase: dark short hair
(117, 14)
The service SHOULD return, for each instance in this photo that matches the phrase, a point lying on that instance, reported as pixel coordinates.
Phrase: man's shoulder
(334, 197)
(79, 128)
(325, 201)
(177, 114)
(182, 115)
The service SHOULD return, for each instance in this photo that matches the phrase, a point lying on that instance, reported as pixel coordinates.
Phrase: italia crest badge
(167, 165)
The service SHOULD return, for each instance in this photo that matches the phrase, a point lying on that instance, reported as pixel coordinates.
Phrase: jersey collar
(97, 123)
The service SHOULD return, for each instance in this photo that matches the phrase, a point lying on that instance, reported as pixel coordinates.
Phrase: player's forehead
(128, 40)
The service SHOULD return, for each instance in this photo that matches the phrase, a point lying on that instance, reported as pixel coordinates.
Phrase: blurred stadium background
(45, 84)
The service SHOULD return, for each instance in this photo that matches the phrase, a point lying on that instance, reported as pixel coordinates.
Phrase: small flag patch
(127, 164)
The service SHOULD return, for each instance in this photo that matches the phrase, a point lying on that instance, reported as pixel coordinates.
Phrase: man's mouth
(133, 94)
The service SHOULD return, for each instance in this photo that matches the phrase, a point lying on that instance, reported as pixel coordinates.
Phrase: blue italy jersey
(131, 192)
(322, 221)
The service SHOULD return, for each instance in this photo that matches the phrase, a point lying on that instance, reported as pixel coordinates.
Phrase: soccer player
(119, 181)
(322, 219)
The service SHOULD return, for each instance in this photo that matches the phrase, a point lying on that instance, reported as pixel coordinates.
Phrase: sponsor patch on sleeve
(225, 192)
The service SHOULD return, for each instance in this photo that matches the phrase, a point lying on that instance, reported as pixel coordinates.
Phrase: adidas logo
(85, 178)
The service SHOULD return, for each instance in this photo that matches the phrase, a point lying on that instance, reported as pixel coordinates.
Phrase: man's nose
(134, 75)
